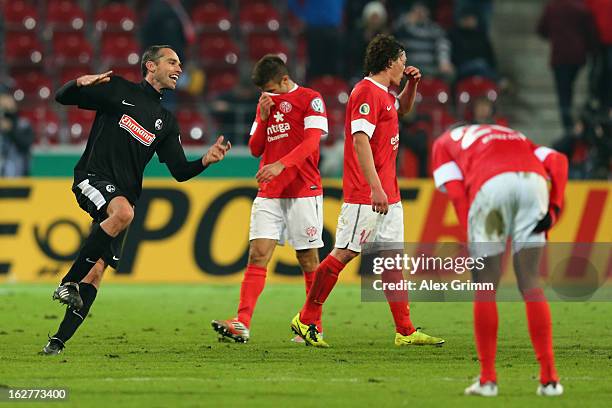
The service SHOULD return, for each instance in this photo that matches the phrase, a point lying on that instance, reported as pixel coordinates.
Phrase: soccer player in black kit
(130, 126)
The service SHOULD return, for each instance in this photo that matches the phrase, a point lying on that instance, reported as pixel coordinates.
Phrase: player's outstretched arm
(70, 92)
(407, 96)
(380, 202)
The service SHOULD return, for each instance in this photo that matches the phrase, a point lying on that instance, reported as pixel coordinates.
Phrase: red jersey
(292, 113)
(371, 109)
(477, 153)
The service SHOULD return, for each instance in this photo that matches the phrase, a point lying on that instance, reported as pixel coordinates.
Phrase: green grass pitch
(152, 346)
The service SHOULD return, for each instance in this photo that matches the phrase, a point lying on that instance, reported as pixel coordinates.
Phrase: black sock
(94, 247)
(73, 318)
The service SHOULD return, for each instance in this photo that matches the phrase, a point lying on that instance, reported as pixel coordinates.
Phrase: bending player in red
(496, 180)
(288, 127)
(372, 209)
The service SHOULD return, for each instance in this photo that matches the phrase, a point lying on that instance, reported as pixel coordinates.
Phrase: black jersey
(130, 126)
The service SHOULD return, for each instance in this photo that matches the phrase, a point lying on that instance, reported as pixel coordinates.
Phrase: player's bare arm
(217, 152)
(380, 203)
(95, 79)
(408, 94)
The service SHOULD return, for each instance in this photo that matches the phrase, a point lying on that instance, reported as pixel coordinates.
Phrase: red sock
(540, 331)
(326, 276)
(485, 328)
(252, 284)
(308, 280)
(398, 303)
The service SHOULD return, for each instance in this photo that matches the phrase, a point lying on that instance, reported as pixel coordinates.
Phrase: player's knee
(257, 257)
(308, 259)
(124, 215)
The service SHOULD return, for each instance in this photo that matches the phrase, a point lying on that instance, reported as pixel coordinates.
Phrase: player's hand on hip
(549, 220)
(269, 171)
(265, 105)
(87, 80)
(413, 73)
(217, 151)
(380, 202)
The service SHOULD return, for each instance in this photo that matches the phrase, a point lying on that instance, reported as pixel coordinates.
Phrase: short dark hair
(269, 68)
(380, 54)
(151, 54)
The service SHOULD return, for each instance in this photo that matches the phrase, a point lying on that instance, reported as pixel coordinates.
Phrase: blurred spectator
(588, 147)
(482, 8)
(234, 112)
(483, 112)
(323, 19)
(373, 22)
(602, 86)
(472, 51)
(16, 138)
(425, 42)
(569, 27)
(167, 22)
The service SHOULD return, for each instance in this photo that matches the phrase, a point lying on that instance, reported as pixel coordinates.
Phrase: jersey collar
(381, 86)
(149, 90)
(295, 86)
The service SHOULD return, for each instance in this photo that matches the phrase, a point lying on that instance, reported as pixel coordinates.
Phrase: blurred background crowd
(544, 67)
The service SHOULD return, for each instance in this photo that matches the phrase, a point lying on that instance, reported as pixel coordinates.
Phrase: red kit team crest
(311, 231)
(285, 107)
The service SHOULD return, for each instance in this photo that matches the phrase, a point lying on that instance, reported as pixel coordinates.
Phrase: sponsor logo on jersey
(364, 109)
(110, 188)
(395, 141)
(279, 117)
(137, 131)
(285, 107)
(317, 105)
(158, 124)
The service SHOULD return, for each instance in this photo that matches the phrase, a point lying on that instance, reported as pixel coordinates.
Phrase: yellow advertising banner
(198, 231)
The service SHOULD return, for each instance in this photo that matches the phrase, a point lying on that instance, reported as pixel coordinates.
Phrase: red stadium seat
(32, 86)
(66, 74)
(20, 15)
(218, 50)
(45, 122)
(259, 16)
(262, 44)
(220, 81)
(115, 17)
(65, 15)
(23, 49)
(71, 48)
(474, 87)
(335, 90)
(119, 49)
(211, 16)
(432, 91)
(79, 124)
(132, 73)
(192, 127)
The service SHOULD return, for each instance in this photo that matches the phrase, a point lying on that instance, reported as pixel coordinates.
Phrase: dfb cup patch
(158, 124)
(364, 109)
(311, 231)
(317, 105)
(285, 107)
(110, 188)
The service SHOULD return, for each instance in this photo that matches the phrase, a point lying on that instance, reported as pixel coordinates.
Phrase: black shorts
(93, 195)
